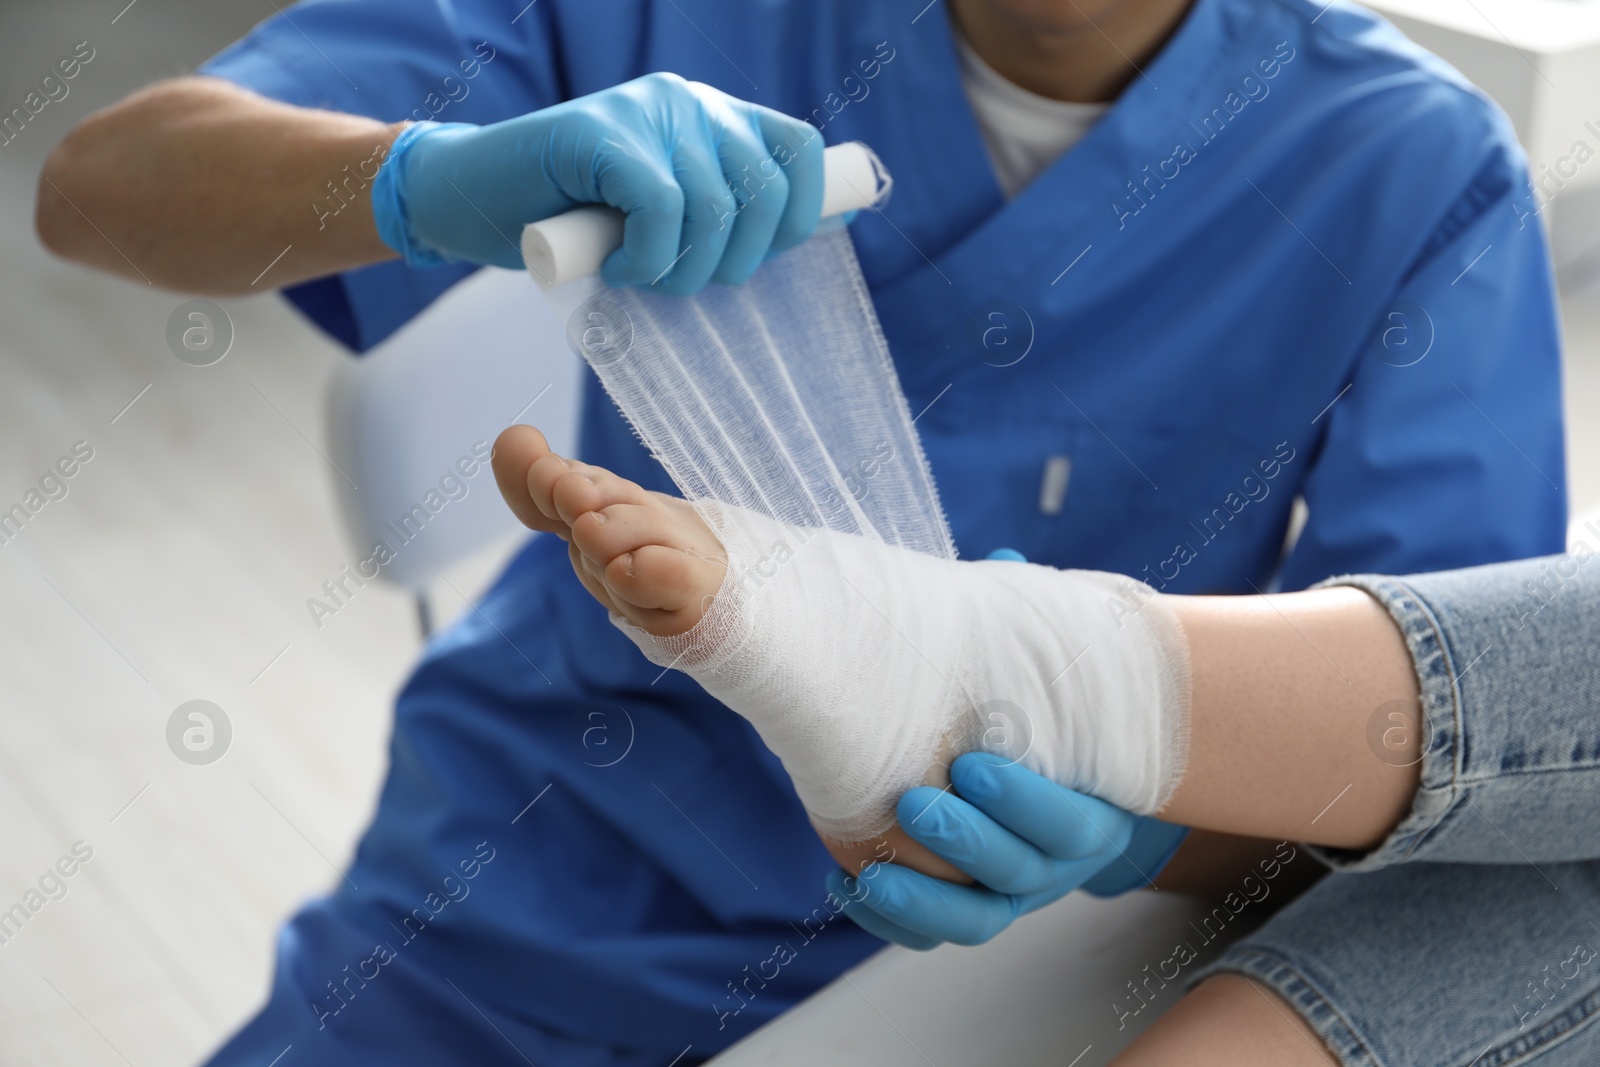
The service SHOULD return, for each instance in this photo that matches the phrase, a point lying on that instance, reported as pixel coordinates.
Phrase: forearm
(1284, 689)
(197, 185)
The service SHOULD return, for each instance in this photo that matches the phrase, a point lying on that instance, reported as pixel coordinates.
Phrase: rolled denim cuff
(1439, 790)
(1508, 672)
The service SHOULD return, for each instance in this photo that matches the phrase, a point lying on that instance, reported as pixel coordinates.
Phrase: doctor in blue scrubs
(1152, 271)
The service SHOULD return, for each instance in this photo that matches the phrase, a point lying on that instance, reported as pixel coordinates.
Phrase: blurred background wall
(177, 566)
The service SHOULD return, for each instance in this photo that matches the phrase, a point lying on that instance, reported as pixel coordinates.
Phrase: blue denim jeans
(1471, 936)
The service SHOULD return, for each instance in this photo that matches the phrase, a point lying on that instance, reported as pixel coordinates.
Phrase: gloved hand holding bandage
(1025, 842)
(709, 184)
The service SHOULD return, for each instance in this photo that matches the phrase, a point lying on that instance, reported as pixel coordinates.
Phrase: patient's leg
(1283, 686)
(865, 667)
(1228, 1021)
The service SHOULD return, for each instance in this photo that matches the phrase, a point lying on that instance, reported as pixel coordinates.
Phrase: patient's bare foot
(646, 556)
(651, 559)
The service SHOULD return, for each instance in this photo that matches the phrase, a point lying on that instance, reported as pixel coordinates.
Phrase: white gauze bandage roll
(846, 630)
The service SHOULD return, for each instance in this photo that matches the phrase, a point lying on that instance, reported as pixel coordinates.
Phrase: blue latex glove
(1154, 843)
(1025, 840)
(709, 184)
(1030, 843)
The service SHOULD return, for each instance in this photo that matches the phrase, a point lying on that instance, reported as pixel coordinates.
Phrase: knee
(1228, 1021)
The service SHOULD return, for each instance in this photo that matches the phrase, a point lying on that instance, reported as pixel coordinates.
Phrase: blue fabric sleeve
(446, 60)
(391, 60)
(1446, 449)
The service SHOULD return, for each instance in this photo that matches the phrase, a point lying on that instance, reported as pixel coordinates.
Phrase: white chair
(402, 420)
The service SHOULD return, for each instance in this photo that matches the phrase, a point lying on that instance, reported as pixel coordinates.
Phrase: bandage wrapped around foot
(846, 630)
(864, 665)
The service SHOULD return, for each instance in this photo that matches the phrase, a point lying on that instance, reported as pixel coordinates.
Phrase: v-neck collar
(984, 245)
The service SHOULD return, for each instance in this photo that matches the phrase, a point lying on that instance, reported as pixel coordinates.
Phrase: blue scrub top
(1298, 257)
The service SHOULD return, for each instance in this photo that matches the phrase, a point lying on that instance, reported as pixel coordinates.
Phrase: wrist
(391, 194)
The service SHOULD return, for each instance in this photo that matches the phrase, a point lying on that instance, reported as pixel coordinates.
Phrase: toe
(606, 533)
(665, 590)
(518, 453)
(542, 477)
(590, 576)
(586, 488)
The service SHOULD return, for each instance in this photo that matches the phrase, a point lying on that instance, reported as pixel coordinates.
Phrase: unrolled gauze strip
(776, 396)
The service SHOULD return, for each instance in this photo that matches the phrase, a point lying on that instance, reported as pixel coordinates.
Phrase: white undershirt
(1024, 132)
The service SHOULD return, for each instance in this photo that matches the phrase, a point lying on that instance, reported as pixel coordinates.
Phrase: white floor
(177, 568)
